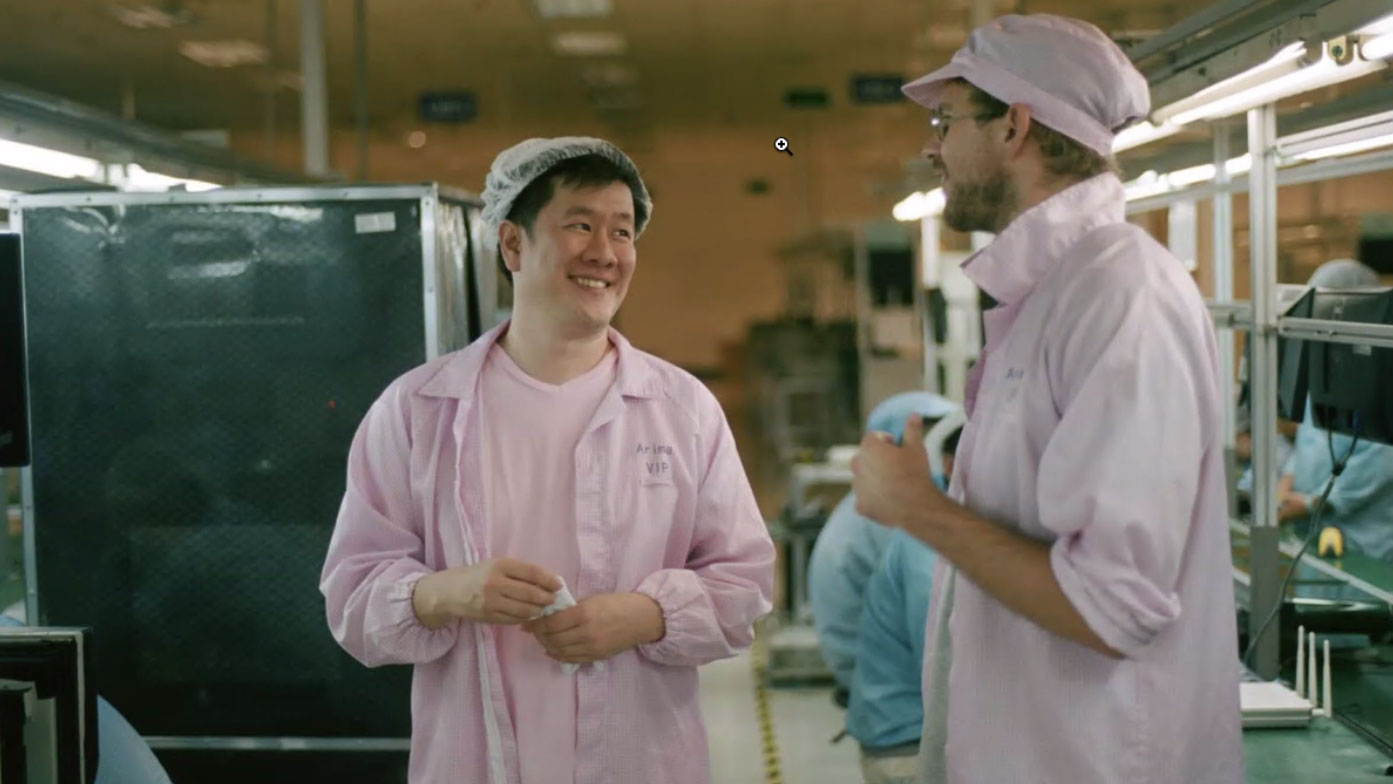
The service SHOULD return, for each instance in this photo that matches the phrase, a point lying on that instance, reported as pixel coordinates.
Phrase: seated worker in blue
(850, 546)
(123, 757)
(1360, 505)
(886, 713)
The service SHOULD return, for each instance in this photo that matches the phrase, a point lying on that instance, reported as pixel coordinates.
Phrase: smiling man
(1084, 631)
(547, 461)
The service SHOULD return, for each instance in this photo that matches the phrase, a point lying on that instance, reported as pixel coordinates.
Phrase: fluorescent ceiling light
(1376, 39)
(1377, 48)
(1346, 138)
(45, 161)
(572, 9)
(1183, 178)
(1154, 184)
(1240, 165)
(608, 75)
(224, 54)
(148, 17)
(1149, 183)
(1284, 62)
(1379, 27)
(1143, 133)
(917, 205)
(589, 44)
(1322, 74)
(1280, 77)
(138, 179)
(616, 100)
(1364, 133)
(1348, 148)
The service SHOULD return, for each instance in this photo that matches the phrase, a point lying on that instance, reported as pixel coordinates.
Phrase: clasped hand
(505, 591)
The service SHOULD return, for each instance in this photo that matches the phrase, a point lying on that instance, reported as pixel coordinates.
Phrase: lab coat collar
(458, 375)
(1010, 266)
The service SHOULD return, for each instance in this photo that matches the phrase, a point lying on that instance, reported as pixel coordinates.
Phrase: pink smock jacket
(688, 534)
(1095, 427)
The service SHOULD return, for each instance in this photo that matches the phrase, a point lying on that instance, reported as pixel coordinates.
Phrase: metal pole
(1222, 239)
(931, 277)
(360, 51)
(1222, 208)
(31, 550)
(314, 98)
(1262, 201)
(269, 108)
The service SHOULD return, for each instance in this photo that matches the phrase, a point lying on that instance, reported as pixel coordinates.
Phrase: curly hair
(1064, 158)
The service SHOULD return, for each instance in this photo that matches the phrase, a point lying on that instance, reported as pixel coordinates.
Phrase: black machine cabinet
(199, 364)
(14, 406)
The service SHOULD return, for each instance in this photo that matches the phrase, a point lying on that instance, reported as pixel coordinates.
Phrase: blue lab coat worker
(1361, 501)
(886, 709)
(849, 548)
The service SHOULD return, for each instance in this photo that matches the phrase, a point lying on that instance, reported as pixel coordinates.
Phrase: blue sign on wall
(877, 88)
(448, 107)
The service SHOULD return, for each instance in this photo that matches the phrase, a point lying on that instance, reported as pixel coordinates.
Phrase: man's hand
(599, 627)
(502, 591)
(892, 482)
(1292, 506)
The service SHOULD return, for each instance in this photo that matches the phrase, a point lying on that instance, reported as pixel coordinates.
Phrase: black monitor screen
(1349, 384)
(1293, 301)
(56, 661)
(1291, 380)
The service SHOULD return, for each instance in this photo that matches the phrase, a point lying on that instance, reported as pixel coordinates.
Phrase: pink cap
(1072, 76)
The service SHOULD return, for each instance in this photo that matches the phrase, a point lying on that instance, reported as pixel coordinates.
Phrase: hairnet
(1343, 274)
(890, 415)
(1072, 76)
(516, 167)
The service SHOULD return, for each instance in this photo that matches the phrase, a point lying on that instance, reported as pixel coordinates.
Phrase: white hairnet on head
(1343, 274)
(518, 166)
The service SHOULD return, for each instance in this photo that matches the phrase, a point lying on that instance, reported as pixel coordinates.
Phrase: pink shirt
(530, 423)
(1094, 425)
(662, 507)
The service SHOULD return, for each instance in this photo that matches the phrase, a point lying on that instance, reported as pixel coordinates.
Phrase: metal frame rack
(1274, 161)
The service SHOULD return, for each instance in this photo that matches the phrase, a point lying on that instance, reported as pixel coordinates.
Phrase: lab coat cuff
(673, 594)
(1106, 614)
(400, 621)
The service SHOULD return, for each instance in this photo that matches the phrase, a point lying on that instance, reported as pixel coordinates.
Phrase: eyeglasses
(939, 121)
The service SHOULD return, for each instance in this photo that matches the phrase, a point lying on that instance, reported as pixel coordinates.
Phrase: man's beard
(980, 206)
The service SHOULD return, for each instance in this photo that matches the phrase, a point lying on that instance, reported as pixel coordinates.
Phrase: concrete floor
(804, 722)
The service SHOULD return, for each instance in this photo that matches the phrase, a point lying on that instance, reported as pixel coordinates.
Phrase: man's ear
(510, 245)
(1017, 127)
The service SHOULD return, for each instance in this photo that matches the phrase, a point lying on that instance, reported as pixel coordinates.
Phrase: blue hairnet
(1343, 274)
(516, 167)
(889, 416)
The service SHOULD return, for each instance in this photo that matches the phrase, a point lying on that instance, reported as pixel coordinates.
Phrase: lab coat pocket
(655, 507)
(655, 491)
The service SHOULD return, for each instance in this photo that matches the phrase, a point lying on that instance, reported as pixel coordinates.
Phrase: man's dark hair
(1065, 158)
(584, 171)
